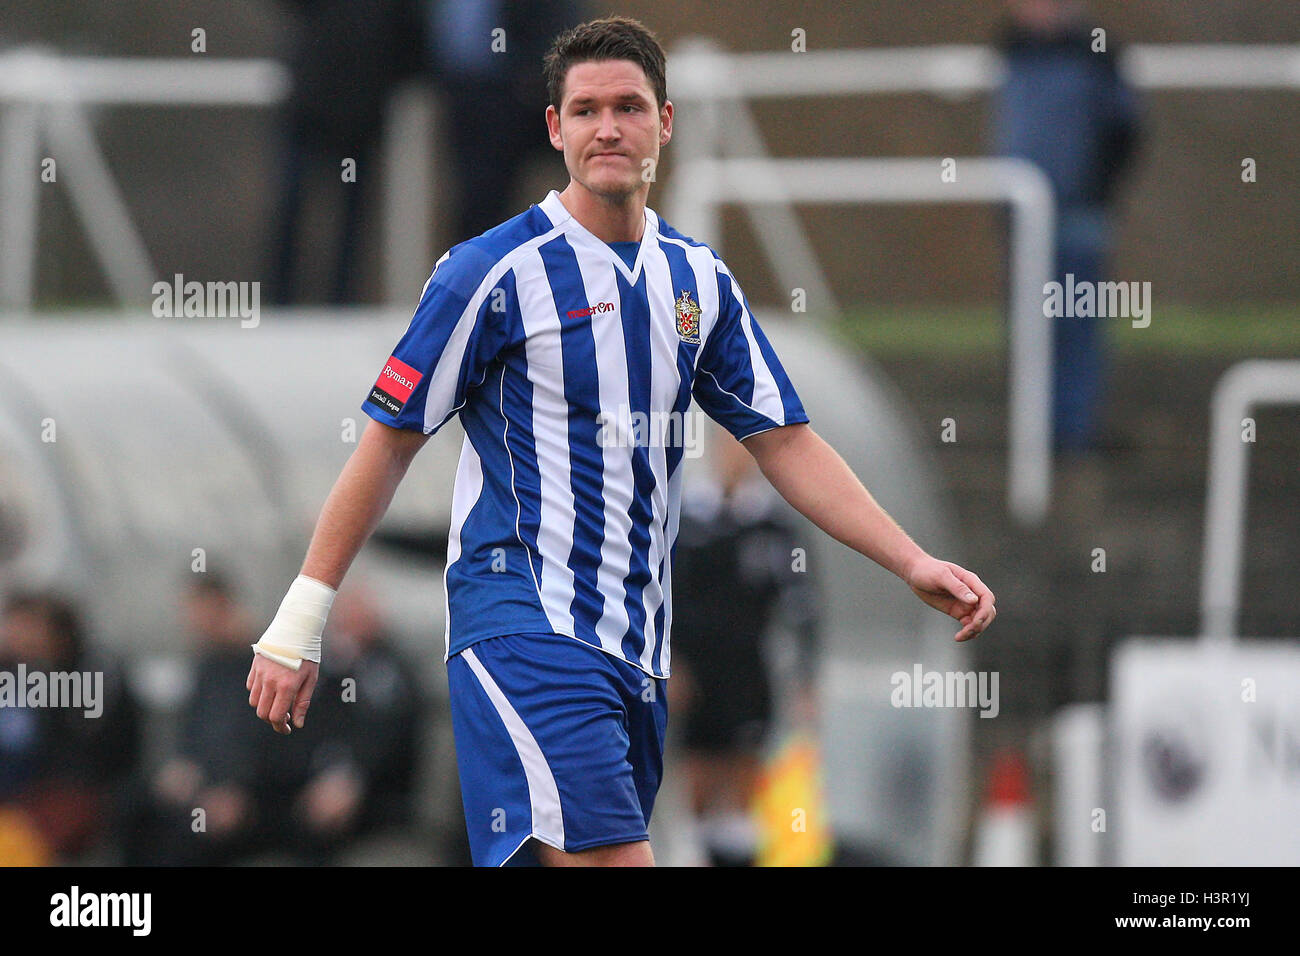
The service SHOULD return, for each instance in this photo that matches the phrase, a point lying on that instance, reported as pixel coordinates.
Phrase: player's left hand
(955, 591)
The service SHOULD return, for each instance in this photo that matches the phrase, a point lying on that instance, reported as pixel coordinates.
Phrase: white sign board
(1207, 752)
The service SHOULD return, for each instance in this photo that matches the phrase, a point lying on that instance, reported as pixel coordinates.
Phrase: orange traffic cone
(1004, 833)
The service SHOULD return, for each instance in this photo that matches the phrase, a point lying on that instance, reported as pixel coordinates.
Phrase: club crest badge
(688, 319)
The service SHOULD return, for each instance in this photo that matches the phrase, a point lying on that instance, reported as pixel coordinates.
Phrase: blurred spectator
(219, 748)
(348, 772)
(63, 761)
(345, 58)
(358, 777)
(1065, 107)
(494, 95)
(734, 574)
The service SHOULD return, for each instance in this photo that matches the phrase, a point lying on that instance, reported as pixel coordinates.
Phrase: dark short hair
(611, 38)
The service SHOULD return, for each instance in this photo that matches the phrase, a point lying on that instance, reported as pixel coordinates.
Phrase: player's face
(610, 128)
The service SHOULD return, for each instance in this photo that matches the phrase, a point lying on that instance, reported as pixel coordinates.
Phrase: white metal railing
(37, 75)
(1241, 388)
(701, 186)
(45, 98)
(716, 88)
(961, 69)
(45, 94)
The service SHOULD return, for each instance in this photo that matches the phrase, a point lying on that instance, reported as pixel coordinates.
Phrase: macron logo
(597, 309)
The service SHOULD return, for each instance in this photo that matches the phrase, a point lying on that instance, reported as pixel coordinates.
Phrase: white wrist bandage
(294, 634)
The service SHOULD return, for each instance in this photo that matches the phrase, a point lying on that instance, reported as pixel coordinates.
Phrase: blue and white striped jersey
(572, 374)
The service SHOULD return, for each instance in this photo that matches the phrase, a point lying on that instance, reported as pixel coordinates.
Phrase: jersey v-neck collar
(560, 217)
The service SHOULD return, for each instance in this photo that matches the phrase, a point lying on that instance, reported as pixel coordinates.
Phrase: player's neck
(606, 220)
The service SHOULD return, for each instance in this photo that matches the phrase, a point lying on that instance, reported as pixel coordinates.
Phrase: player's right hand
(281, 695)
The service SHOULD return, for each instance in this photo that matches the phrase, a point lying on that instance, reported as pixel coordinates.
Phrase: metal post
(1243, 386)
(703, 184)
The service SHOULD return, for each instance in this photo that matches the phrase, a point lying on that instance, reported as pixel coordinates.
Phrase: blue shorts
(556, 741)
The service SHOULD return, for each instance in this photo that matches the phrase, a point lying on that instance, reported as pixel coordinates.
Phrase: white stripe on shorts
(543, 794)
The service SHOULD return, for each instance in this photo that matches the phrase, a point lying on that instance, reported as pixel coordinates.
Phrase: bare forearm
(358, 501)
(819, 484)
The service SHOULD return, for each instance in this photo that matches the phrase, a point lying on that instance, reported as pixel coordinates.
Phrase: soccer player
(565, 338)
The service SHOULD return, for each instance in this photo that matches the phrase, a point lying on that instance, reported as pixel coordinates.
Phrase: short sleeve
(739, 381)
(458, 329)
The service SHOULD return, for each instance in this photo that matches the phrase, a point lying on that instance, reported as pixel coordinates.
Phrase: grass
(1256, 329)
